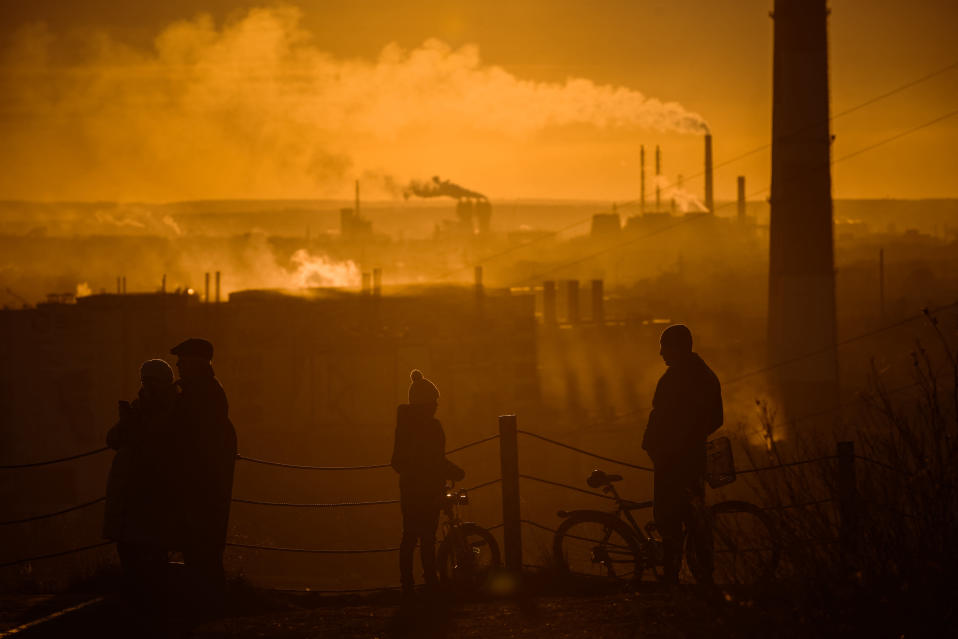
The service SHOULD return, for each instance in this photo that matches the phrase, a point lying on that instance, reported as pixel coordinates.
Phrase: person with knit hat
(139, 511)
(420, 459)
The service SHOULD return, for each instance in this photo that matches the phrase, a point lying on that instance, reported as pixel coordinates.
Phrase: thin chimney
(549, 302)
(741, 198)
(357, 199)
(598, 302)
(163, 285)
(377, 281)
(658, 173)
(217, 287)
(709, 201)
(642, 179)
(206, 296)
(572, 301)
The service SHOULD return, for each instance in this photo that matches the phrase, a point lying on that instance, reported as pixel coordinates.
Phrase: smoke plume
(255, 108)
(437, 188)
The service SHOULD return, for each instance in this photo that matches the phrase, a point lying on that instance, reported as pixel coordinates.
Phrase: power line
(687, 219)
(731, 160)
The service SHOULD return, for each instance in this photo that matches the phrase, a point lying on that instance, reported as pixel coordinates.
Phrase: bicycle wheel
(466, 556)
(597, 545)
(745, 548)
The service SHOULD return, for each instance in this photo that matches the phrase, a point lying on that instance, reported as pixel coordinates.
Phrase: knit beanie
(422, 391)
(157, 369)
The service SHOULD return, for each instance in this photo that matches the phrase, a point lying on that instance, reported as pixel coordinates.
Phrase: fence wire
(567, 486)
(55, 554)
(314, 551)
(585, 452)
(48, 462)
(24, 520)
(267, 462)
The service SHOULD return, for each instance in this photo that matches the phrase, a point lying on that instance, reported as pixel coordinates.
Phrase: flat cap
(193, 347)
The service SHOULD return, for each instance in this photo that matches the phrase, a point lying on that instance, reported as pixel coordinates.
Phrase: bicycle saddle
(599, 478)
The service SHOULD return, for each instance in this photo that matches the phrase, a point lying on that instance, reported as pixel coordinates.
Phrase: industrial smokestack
(709, 202)
(598, 298)
(642, 179)
(802, 344)
(572, 301)
(658, 173)
(377, 281)
(206, 298)
(549, 303)
(357, 199)
(217, 287)
(741, 198)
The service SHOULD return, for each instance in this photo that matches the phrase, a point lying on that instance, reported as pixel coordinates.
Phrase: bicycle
(468, 552)
(612, 545)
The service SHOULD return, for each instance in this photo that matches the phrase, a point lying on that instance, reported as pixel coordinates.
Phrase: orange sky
(129, 101)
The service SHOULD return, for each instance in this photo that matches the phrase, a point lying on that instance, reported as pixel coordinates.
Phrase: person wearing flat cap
(420, 459)
(140, 509)
(208, 455)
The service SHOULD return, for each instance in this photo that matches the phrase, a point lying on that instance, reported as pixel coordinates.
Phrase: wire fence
(382, 502)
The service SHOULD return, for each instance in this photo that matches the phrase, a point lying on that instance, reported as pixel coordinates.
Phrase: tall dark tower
(801, 291)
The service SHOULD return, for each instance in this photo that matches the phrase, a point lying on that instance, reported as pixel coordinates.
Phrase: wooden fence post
(847, 500)
(511, 517)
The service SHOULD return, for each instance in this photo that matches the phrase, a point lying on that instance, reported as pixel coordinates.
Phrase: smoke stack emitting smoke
(255, 108)
(438, 188)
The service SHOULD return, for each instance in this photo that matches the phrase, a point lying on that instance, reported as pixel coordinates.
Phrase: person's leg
(699, 529)
(427, 548)
(668, 511)
(406, 547)
(204, 564)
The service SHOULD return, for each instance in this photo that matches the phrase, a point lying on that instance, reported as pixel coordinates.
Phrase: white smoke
(684, 199)
(255, 108)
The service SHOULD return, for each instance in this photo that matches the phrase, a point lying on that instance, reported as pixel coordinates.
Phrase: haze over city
(478, 319)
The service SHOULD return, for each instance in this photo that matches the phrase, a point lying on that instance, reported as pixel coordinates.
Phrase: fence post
(847, 500)
(511, 517)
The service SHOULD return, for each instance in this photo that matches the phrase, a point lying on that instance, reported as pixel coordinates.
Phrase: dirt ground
(613, 615)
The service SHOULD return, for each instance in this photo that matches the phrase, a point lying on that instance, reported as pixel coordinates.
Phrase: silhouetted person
(207, 445)
(139, 511)
(686, 409)
(419, 458)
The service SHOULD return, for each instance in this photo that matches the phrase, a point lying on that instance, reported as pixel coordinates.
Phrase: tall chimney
(572, 301)
(377, 281)
(598, 302)
(801, 300)
(658, 173)
(549, 303)
(163, 285)
(357, 199)
(206, 276)
(709, 202)
(741, 198)
(217, 287)
(642, 179)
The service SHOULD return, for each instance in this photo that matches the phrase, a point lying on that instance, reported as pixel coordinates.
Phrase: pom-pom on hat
(158, 370)
(422, 391)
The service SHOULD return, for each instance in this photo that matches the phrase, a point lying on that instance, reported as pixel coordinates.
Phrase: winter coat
(686, 409)
(140, 505)
(419, 456)
(207, 450)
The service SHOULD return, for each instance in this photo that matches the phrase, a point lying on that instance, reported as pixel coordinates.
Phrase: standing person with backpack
(419, 458)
